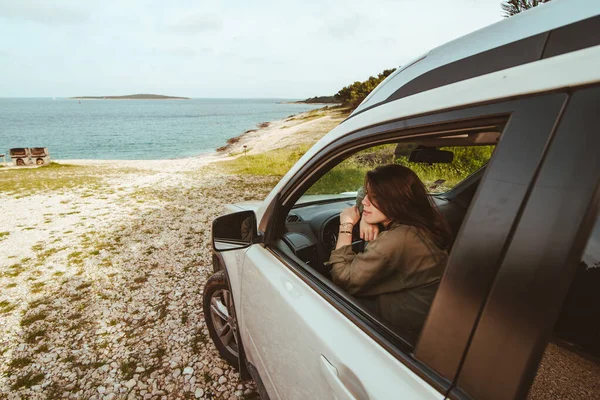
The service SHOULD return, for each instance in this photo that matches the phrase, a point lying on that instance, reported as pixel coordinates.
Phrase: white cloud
(45, 12)
(218, 49)
(198, 23)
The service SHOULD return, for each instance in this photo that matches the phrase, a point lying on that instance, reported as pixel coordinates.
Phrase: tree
(352, 95)
(512, 7)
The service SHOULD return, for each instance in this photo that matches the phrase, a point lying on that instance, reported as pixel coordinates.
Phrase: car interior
(312, 224)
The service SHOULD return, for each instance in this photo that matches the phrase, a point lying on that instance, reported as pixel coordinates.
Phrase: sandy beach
(103, 266)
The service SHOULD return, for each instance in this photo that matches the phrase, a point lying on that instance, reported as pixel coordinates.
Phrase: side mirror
(431, 156)
(234, 231)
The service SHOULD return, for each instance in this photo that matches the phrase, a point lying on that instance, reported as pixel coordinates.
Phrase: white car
(516, 314)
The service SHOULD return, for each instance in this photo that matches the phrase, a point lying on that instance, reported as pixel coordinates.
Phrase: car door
(308, 341)
(539, 263)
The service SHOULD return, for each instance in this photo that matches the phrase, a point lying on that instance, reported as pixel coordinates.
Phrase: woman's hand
(368, 231)
(349, 215)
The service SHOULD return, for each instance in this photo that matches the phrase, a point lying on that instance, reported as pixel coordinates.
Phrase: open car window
(441, 177)
(441, 162)
(449, 166)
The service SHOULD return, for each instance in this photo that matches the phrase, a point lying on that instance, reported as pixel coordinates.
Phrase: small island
(131, 97)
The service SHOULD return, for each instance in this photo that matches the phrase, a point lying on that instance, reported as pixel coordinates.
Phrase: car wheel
(20, 162)
(219, 316)
(39, 161)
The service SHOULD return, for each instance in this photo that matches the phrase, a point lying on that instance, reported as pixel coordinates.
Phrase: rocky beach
(103, 266)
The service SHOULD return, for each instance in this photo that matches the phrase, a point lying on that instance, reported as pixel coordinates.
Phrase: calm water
(132, 129)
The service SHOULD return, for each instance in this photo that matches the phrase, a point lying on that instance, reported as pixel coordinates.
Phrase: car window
(348, 176)
(440, 168)
(440, 178)
(570, 367)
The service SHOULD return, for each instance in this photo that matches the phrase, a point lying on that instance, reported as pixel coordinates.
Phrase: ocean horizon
(127, 129)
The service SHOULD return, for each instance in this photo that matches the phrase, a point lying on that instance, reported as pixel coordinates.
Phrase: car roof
(516, 40)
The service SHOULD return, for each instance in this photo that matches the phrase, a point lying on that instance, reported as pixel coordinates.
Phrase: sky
(224, 49)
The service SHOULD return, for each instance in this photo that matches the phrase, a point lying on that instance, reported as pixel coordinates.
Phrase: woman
(401, 267)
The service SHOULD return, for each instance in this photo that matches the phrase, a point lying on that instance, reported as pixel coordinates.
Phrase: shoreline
(265, 137)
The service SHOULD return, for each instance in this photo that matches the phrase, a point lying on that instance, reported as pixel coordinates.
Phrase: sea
(133, 129)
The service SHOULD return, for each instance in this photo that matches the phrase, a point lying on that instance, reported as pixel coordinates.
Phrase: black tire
(20, 162)
(39, 161)
(219, 316)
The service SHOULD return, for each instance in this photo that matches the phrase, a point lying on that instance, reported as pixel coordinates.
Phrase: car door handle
(333, 380)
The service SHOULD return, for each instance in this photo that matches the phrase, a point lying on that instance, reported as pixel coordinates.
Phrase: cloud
(44, 12)
(198, 23)
(345, 28)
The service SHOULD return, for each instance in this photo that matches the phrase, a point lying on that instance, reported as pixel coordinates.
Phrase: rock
(217, 371)
(222, 380)
(199, 393)
(101, 389)
(176, 373)
(130, 383)
(188, 370)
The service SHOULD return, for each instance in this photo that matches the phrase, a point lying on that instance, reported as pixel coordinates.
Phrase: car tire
(219, 316)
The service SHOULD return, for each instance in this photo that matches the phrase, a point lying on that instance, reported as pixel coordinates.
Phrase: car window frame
(433, 370)
(575, 133)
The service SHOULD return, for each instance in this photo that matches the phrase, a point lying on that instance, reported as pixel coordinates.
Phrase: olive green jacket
(400, 270)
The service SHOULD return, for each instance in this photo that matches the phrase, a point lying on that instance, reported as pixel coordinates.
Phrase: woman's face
(371, 214)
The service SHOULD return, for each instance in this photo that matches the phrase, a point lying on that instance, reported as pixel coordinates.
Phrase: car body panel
(550, 16)
(289, 327)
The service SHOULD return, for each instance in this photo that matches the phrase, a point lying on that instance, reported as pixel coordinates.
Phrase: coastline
(304, 127)
(103, 265)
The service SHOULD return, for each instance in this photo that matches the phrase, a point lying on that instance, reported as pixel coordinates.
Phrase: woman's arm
(356, 273)
(348, 218)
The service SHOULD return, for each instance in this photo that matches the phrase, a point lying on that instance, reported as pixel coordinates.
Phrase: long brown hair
(401, 196)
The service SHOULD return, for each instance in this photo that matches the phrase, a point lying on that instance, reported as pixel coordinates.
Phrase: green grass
(6, 307)
(19, 362)
(14, 271)
(128, 369)
(42, 255)
(28, 181)
(33, 318)
(32, 336)
(3, 235)
(272, 163)
(83, 286)
(28, 380)
(466, 161)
